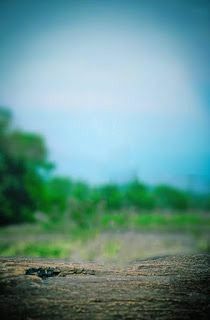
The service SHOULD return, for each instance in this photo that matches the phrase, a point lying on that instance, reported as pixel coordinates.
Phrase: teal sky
(118, 88)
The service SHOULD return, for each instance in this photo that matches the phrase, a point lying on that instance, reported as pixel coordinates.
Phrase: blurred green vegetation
(45, 215)
(113, 237)
(30, 192)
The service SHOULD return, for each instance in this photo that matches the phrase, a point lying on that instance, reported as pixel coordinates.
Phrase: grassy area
(113, 237)
(156, 221)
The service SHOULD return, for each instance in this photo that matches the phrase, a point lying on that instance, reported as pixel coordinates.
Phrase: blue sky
(118, 88)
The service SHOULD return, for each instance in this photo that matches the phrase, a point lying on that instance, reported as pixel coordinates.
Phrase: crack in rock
(43, 272)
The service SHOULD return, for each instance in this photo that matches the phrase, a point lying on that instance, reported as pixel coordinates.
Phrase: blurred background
(104, 129)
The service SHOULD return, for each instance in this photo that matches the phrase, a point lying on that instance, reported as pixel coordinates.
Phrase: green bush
(28, 186)
(111, 196)
(139, 196)
(170, 198)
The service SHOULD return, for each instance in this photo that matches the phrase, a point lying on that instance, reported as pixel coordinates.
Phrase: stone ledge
(172, 287)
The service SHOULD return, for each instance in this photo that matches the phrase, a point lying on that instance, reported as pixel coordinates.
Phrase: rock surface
(173, 287)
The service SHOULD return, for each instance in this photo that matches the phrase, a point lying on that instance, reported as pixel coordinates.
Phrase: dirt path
(175, 287)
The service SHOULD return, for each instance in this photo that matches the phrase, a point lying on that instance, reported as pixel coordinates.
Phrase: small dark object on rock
(43, 272)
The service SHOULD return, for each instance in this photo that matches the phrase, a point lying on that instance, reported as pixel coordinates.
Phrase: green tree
(170, 197)
(23, 166)
(57, 193)
(111, 196)
(138, 195)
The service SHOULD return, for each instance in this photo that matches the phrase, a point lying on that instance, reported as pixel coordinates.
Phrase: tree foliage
(170, 197)
(27, 185)
(23, 162)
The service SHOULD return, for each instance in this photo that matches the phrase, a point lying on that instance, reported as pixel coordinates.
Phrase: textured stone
(173, 287)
